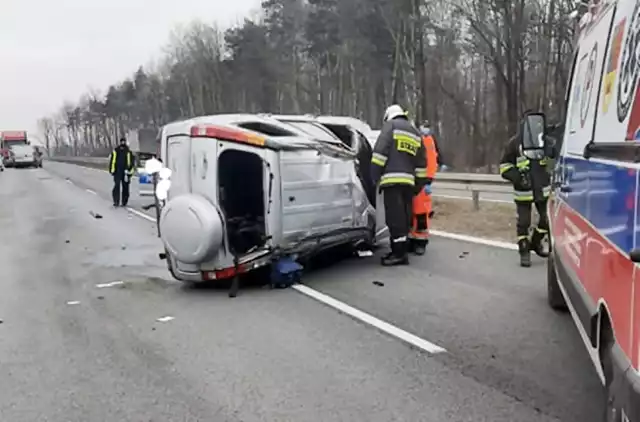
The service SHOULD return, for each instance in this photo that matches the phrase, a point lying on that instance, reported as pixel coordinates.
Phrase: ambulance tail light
(227, 134)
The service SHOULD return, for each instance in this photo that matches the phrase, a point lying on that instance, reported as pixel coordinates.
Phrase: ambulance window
(567, 93)
(266, 129)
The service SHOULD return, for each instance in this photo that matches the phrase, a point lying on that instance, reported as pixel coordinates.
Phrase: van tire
(554, 294)
(611, 411)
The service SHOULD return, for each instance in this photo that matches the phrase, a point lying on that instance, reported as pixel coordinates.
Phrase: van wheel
(554, 294)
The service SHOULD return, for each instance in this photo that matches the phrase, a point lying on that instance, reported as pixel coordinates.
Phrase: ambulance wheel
(612, 412)
(554, 294)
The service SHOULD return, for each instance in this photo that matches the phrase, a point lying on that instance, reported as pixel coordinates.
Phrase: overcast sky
(52, 50)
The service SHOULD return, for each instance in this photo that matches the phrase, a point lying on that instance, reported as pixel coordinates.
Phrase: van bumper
(625, 388)
(187, 276)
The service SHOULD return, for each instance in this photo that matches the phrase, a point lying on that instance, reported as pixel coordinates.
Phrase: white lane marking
(73, 302)
(91, 191)
(466, 198)
(385, 327)
(473, 239)
(165, 319)
(113, 283)
(141, 214)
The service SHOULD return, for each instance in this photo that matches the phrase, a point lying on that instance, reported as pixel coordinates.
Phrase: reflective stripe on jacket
(399, 156)
(514, 166)
(118, 163)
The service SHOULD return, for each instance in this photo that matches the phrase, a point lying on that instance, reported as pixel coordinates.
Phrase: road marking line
(385, 327)
(141, 214)
(473, 239)
(91, 191)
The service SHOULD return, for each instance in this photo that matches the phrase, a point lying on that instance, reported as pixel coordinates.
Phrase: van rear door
(178, 160)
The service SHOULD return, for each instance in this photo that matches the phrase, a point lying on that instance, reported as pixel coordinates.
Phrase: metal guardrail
(472, 183)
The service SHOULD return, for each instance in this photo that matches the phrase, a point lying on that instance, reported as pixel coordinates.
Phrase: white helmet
(392, 112)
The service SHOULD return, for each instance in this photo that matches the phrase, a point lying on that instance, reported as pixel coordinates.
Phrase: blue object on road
(427, 189)
(285, 272)
(145, 179)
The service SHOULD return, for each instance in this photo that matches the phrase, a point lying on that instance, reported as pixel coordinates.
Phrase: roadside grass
(493, 221)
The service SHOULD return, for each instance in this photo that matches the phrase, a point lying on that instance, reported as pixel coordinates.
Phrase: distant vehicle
(23, 156)
(247, 191)
(144, 143)
(8, 139)
(594, 205)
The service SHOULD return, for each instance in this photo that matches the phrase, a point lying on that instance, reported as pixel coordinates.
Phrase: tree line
(470, 67)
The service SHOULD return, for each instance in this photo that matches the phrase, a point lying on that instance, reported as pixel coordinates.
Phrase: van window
(316, 131)
(266, 129)
(342, 132)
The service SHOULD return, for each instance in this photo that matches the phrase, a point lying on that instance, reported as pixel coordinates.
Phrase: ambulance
(595, 202)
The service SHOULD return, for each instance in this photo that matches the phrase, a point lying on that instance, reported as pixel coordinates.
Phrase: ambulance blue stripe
(605, 195)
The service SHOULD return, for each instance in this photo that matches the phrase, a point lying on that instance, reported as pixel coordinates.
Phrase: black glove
(524, 182)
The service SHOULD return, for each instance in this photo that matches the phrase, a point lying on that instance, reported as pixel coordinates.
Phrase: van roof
(232, 121)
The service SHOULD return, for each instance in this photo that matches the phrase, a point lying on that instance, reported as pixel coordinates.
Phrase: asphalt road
(268, 355)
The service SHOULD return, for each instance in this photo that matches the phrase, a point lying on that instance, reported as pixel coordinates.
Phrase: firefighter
(524, 164)
(121, 167)
(398, 166)
(422, 203)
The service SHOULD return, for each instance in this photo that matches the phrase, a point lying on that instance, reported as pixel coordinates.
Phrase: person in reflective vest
(524, 164)
(398, 167)
(121, 167)
(422, 203)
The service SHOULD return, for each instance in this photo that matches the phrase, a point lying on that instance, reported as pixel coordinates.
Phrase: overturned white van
(240, 199)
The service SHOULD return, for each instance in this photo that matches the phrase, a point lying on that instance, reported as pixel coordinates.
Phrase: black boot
(420, 247)
(536, 243)
(524, 248)
(398, 255)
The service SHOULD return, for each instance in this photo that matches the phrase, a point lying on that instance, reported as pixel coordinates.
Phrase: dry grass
(492, 221)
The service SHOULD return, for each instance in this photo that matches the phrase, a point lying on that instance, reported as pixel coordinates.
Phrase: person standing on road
(121, 165)
(524, 164)
(398, 167)
(422, 203)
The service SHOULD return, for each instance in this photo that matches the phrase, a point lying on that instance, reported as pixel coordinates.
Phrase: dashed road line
(369, 319)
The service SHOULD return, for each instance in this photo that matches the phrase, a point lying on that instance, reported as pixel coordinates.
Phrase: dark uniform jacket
(121, 161)
(530, 177)
(399, 155)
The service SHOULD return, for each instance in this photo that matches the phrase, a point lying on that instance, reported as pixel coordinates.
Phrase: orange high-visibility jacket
(432, 156)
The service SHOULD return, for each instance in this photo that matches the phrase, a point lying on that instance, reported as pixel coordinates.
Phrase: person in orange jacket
(422, 204)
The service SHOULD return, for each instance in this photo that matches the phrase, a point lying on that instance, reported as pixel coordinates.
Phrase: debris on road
(67, 241)
(1, 321)
(463, 255)
(165, 319)
(73, 302)
(113, 283)
(100, 297)
(95, 215)
(363, 254)
(378, 283)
